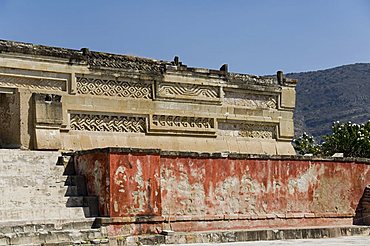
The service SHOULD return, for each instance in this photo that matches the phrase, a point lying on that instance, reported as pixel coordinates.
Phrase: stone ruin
(63, 99)
(151, 147)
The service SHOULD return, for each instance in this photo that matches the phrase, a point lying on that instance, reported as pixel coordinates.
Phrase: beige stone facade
(55, 98)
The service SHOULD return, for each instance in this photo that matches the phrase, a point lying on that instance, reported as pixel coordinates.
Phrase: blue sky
(252, 36)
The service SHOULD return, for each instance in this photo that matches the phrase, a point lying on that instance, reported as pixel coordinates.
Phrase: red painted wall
(228, 186)
(134, 186)
(95, 167)
(198, 193)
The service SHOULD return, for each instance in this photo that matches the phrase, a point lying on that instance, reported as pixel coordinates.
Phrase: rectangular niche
(247, 130)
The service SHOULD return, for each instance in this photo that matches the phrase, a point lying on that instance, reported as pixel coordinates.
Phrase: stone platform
(146, 191)
(46, 200)
(217, 237)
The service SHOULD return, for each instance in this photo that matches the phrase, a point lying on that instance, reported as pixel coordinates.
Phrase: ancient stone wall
(33, 188)
(146, 191)
(42, 202)
(107, 100)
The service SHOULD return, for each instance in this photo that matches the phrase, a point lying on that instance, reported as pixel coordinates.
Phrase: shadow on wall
(362, 216)
(77, 192)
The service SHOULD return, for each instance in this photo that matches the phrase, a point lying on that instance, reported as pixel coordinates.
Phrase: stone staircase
(362, 216)
(77, 192)
(43, 201)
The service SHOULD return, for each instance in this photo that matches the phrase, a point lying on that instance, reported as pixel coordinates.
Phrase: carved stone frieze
(114, 88)
(107, 123)
(247, 130)
(252, 101)
(32, 82)
(182, 123)
(188, 91)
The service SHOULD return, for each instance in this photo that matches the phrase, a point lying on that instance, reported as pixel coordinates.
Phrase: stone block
(268, 147)
(48, 109)
(86, 142)
(48, 138)
(284, 148)
(286, 129)
(254, 147)
(233, 145)
(287, 99)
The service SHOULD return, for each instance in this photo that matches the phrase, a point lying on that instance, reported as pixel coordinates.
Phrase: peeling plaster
(120, 178)
(115, 206)
(304, 181)
(191, 188)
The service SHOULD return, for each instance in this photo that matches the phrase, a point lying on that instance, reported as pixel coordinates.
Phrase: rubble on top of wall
(102, 60)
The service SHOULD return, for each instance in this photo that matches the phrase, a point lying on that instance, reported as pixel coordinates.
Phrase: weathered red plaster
(95, 168)
(152, 192)
(127, 185)
(134, 186)
(254, 187)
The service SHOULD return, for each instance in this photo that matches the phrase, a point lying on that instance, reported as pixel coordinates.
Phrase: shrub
(306, 145)
(353, 140)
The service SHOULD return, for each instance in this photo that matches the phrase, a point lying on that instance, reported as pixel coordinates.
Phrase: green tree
(353, 140)
(305, 144)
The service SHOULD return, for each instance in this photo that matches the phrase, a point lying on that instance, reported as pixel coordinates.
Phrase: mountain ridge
(335, 94)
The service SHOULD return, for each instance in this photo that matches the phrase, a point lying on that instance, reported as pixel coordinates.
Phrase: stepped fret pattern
(187, 90)
(247, 130)
(113, 88)
(107, 123)
(169, 121)
(251, 101)
(32, 83)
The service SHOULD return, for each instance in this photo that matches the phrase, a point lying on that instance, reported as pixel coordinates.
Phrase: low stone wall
(147, 191)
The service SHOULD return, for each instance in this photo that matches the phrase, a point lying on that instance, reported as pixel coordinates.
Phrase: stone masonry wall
(33, 188)
(149, 191)
(42, 201)
(105, 100)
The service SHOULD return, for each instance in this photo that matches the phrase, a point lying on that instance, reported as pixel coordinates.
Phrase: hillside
(336, 94)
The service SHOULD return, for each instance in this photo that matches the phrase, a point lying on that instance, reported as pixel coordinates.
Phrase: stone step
(41, 186)
(57, 192)
(50, 201)
(31, 180)
(81, 201)
(75, 191)
(24, 171)
(17, 153)
(220, 237)
(27, 158)
(77, 181)
(69, 169)
(37, 182)
(74, 180)
(16, 226)
(87, 201)
(55, 237)
(44, 213)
